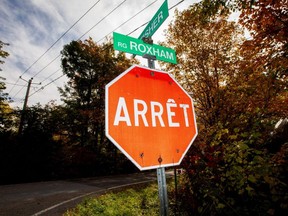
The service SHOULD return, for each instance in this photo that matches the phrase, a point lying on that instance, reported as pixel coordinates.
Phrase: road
(55, 197)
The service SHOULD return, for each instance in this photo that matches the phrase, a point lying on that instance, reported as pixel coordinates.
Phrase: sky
(37, 30)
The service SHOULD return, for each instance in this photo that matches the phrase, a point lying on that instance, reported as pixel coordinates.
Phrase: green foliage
(88, 67)
(33, 155)
(235, 166)
(3, 53)
(235, 172)
(136, 201)
(5, 110)
(64, 141)
(214, 7)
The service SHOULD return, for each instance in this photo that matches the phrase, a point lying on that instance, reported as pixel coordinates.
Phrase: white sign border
(119, 146)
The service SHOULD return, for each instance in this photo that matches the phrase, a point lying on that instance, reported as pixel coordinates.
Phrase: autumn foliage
(236, 73)
(237, 164)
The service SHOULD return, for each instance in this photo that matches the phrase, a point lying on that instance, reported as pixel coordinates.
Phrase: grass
(139, 200)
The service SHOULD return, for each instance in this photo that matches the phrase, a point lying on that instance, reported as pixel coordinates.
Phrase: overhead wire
(37, 73)
(122, 25)
(48, 50)
(49, 82)
(47, 65)
(55, 43)
(94, 27)
(51, 75)
(81, 36)
(77, 39)
(14, 84)
(46, 85)
(18, 91)
(100, 39)
(148, 21)
(128, 20)
(102, 19)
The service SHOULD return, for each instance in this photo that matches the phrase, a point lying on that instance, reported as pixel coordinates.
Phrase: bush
(136, 201)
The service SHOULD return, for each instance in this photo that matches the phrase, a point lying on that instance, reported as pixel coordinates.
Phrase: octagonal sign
(149, 117)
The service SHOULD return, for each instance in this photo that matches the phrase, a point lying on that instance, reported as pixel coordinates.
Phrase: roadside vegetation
(237, 74)
(140, 200)
(136, 200)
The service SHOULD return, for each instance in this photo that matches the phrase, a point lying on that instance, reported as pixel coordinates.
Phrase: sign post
(162, 190)
(149, 116)
(161, 176)
(151, 119)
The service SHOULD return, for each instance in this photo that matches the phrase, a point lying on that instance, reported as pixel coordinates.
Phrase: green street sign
(157, 20)
(136, 46)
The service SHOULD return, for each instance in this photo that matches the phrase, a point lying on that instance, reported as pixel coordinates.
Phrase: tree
(267, 50)
(5, 109)
(89, 67)
(3, 53)
(229, 166)
(35, 154)
(208, 56)
(266, 66)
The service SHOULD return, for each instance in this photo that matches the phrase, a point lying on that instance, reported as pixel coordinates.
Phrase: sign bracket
(150, 58)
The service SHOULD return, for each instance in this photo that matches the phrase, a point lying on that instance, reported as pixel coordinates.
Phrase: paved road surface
(55, 197)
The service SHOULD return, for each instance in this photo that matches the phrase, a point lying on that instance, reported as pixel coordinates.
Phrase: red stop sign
(149, 117)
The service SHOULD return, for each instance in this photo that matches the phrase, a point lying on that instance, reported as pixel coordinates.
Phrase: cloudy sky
(37, 30)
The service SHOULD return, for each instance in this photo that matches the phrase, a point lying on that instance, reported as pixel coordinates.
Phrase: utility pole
(25, 104)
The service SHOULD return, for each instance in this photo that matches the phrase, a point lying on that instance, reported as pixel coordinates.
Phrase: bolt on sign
(149, 117)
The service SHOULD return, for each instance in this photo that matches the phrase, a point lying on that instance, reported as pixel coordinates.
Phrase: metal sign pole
(161, 177)
(162, 189)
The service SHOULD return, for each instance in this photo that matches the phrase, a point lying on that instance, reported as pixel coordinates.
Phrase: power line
(46, 85)
(81, 37)
(63, 34)
(128, 20)
(47, 65)
(55, 42)
(18, 91)
(15, 84)
(84, 35)
(49, 82)
(103, 18)
(18, 101)
(51, 75)
(114, 29)
(149, 20)
(78, 39)
(100, 39)
(176, 4)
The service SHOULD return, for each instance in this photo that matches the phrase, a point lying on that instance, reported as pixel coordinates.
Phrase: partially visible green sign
(157, 20)
(136, 46)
